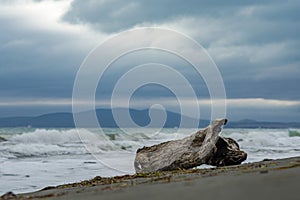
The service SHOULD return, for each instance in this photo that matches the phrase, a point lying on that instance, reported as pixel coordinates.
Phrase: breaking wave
(51, 142)
(265, 143)
(258, 143)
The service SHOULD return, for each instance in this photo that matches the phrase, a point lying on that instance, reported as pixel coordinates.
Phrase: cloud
(116, 15)
(40, 54)
(141, 102)
(255, 45)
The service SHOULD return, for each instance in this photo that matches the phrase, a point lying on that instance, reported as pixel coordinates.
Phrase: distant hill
(140, 117)
(105, 119)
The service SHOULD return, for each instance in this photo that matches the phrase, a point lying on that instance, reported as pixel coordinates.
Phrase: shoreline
(265, 179)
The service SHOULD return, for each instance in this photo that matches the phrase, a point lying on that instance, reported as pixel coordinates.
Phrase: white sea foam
(265, 143)
(47, 142)
(34, 158)
(42, 142)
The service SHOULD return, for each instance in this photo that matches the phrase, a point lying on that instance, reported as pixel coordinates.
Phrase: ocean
(31, 158)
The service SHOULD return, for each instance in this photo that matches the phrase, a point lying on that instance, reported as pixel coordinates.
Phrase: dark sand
(272, 179)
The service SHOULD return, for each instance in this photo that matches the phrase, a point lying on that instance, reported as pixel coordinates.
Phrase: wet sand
(269, 179)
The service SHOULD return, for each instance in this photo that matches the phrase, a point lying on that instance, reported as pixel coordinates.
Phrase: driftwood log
(203, 147)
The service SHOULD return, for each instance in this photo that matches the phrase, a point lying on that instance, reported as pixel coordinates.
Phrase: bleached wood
(203, 147)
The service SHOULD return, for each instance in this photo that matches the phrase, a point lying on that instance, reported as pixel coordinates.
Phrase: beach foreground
(268, 179)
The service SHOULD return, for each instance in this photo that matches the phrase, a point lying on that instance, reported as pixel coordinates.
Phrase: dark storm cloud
(254, 43)
(30, 71)
(116, 15)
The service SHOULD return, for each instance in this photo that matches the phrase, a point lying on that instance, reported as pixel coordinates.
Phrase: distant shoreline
(140, 117)
(268, 179)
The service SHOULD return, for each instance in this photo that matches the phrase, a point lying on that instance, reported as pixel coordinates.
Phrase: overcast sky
(255, 45)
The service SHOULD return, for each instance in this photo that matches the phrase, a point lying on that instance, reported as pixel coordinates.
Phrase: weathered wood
(228, 153)
(203, 147)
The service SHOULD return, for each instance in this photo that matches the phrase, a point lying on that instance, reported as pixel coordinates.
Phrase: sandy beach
(268, 179)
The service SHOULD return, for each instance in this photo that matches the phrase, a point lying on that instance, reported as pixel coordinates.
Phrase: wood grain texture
(202, 147)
